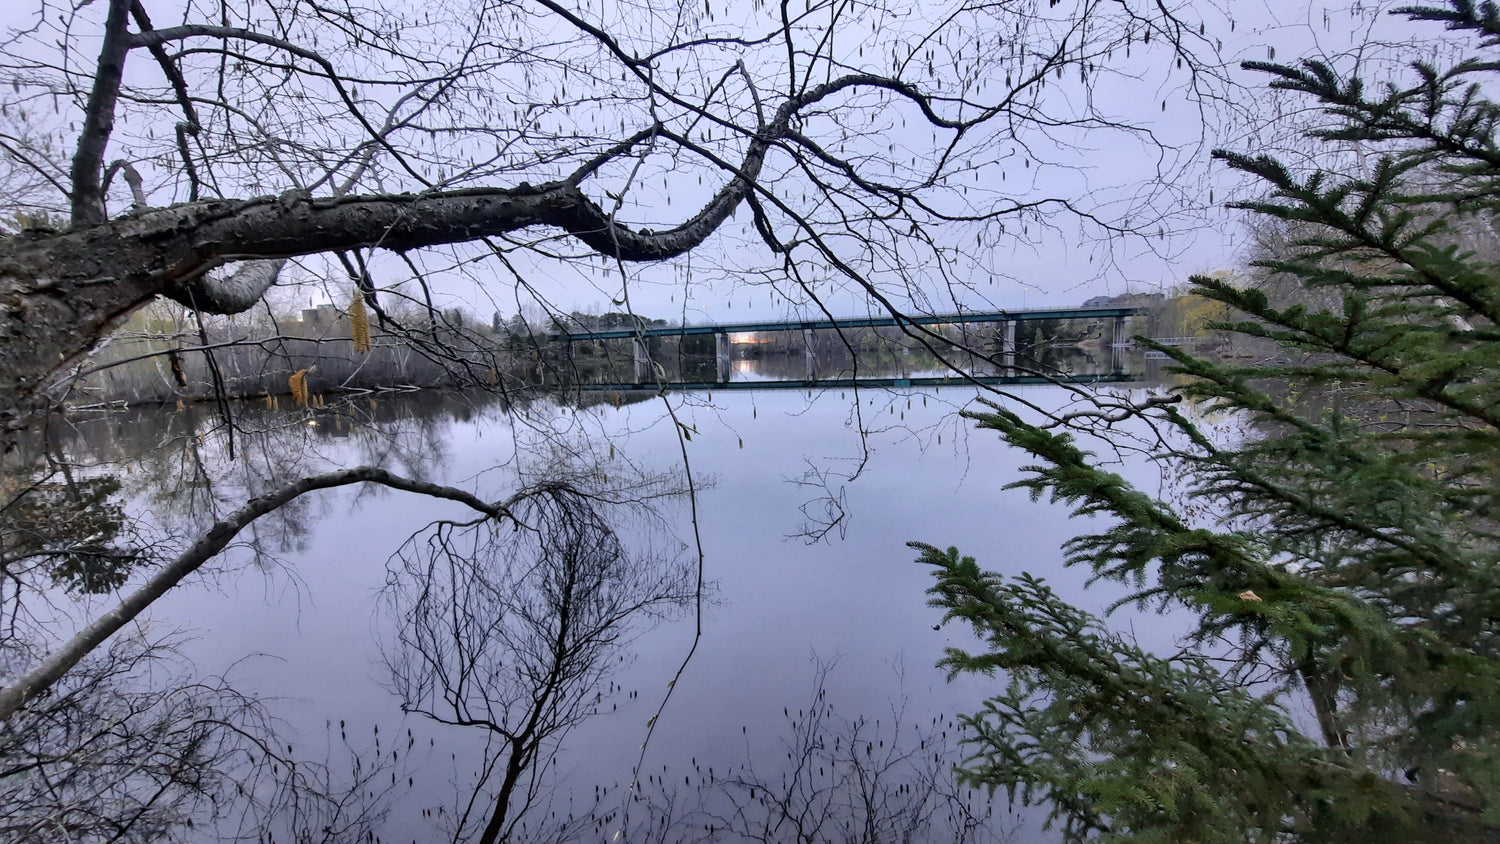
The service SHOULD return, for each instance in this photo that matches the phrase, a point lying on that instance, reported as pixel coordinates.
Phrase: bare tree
(28, 685)
(506, 127)
(247, 136)
(116, 740)
(244, 148)
(68, 710)
(515, 630)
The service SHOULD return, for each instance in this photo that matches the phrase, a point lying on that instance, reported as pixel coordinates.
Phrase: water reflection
(514, 630)
(175, 469)
(779, 604)
(74, 528)
(573, 592)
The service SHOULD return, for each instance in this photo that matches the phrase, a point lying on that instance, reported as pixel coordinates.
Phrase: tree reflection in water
(510, 626)
(546, 575)
(515, 629)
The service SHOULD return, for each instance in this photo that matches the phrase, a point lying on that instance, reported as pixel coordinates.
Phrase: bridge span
(962, 318)
(1003, 338)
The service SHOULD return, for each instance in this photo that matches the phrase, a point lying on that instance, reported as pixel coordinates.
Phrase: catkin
(298, 385)
(359, 323)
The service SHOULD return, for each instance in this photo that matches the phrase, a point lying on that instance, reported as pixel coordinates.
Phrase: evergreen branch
(1483, 17)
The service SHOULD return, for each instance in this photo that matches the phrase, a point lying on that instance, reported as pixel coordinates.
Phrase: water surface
(863, 471)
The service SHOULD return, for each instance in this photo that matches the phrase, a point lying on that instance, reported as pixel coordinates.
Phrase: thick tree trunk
(56, 301)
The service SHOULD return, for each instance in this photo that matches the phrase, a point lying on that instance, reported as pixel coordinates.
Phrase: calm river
(298, 619)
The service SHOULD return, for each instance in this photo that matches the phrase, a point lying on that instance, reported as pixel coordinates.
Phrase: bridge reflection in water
(1077, 345)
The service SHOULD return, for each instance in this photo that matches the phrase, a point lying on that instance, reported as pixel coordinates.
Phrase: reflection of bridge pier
(810, 353)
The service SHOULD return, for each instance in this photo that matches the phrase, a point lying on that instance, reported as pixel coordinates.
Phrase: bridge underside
(848, 383)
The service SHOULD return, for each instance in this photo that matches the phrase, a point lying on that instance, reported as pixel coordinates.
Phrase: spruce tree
(1342, 679)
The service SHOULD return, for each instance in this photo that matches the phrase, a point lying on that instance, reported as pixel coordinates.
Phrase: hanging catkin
(359, 323)
(298, 385)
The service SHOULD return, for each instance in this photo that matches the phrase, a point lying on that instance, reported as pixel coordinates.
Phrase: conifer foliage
(1342, 680)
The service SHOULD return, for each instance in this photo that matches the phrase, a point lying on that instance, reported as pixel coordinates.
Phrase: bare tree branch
(99, 118)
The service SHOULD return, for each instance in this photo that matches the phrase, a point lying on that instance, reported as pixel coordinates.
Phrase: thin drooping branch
(154, 39)
(39, 679)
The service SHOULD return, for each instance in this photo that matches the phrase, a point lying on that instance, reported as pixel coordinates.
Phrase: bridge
(962, 318)
(724, 335)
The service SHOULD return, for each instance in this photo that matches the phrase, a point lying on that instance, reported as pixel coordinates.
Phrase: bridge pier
(1117, 364)
(1008, 347)
(810, 353)
(723, 356)
(642, 355)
